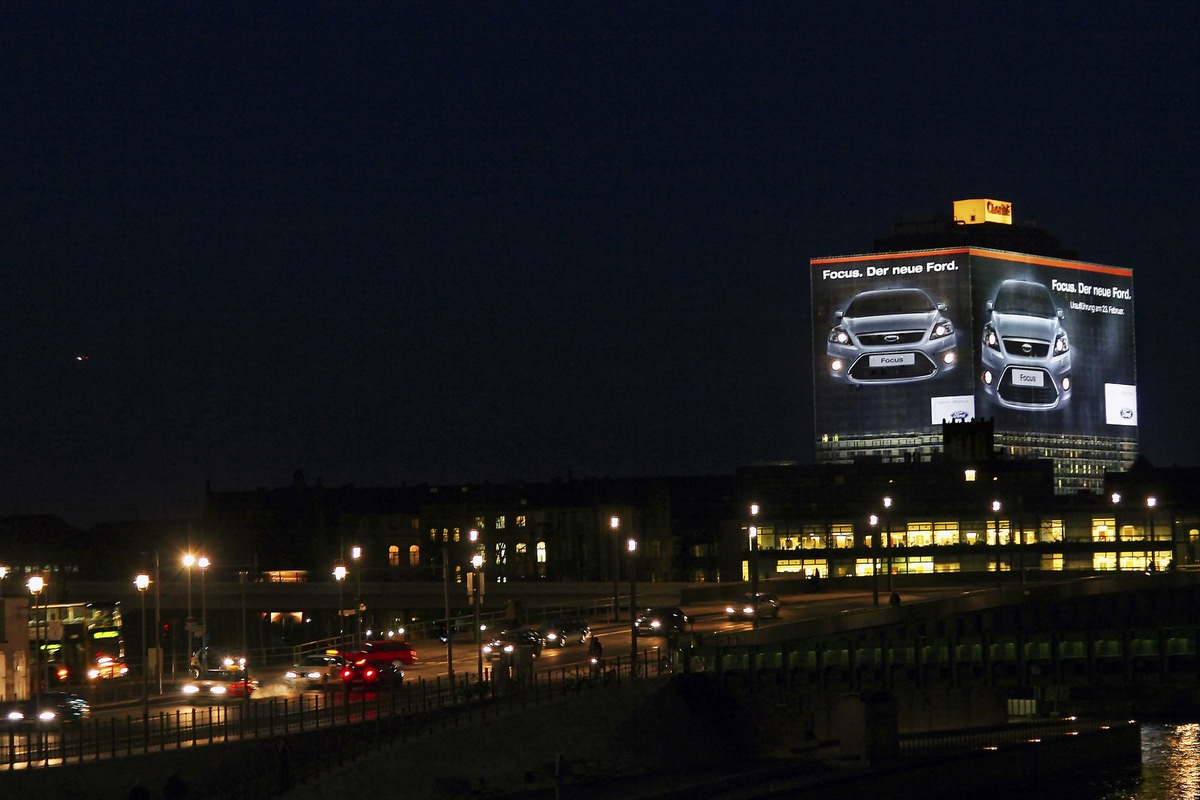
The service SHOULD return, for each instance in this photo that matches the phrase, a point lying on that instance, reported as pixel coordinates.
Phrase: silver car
(887, 336)
(1026, 354)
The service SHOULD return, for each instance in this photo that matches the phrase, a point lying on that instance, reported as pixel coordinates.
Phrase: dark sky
(391, 243)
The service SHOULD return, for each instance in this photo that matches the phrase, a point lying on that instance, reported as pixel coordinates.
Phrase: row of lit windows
(924, 565)
(922, 534)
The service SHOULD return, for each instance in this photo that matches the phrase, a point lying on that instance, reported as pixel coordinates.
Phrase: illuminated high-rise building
(955, 319)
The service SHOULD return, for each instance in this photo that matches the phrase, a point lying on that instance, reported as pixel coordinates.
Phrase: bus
(77, 643)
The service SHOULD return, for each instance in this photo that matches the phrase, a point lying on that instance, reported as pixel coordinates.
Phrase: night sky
(398, 243)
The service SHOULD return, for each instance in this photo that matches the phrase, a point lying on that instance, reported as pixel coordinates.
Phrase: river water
(1170, 770)
(1170, 766)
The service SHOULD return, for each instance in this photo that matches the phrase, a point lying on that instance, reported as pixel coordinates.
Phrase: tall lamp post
(476, 593)
(477, 601)
(1116, 501)
(203, 563)
(35, 585)
(874, 520)
(887, 538)
(142, 582)
(189, 561)
(615, 523)
(996, 506)
(1151, 502)
(356, 557)
(633, 637)
(446, 600)
(339, 574)
(753, 532)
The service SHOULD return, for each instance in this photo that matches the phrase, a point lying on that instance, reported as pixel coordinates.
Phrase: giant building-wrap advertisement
(903, 342)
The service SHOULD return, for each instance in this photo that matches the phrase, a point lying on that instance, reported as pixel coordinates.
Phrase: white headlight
(191, 688)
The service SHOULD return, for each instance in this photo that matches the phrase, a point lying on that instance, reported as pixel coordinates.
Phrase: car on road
(370, 673)
(218, 684)
(661, 621)
(53, 709)
(566, 630)
(1026, 354)
(891, 336)
(316, 669)
(388, 649)
(754, 606)
(514, 642)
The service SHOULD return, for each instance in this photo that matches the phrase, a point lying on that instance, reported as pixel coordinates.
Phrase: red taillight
(346, 674)
(370, 673)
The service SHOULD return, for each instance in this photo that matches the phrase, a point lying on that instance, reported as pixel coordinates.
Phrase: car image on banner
(1026, 353)
(892, 335)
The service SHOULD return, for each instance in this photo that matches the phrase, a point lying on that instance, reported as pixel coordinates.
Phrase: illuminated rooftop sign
(974, 212)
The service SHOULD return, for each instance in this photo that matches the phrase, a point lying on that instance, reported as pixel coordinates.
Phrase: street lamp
(887, 537)
(1116, 500)
(615, 523)
(996, 512)
(356, 556)
(874, 521)
(477, 601)
(189, 561)
(753, 531)
(203, 563)
(446, 600)
(633, 643)
(339, 574)
(35, 585)
(142, 582)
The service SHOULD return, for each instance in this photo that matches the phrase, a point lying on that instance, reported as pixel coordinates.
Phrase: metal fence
(365, 721)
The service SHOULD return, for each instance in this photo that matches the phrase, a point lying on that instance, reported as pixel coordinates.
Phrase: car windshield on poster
(903, 342)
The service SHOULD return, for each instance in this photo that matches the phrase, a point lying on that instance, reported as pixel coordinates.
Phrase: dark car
(389, 649)
(514, 642)
(318, 669)
(53, 709)
(367, 672)
(751, 606)
(566, 630)
(663, 621)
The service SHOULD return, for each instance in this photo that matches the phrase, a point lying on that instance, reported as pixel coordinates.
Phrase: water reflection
(1170, 766)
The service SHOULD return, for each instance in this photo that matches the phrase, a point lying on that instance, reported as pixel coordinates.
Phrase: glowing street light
(887, 537)
(615, 523)
(996, 506)
(142, 582)
(339, 574)
(203, 563)
(633, 643)
(874, 521)
(36, 584)
(356, 556)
